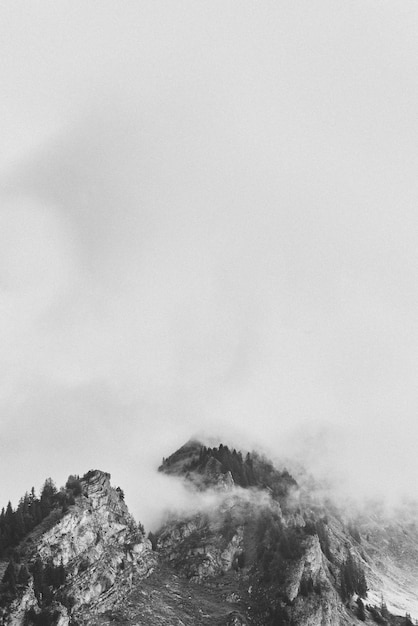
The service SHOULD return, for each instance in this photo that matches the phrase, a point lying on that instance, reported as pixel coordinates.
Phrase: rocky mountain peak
(97, 477)
(81, 565)
(96, 488)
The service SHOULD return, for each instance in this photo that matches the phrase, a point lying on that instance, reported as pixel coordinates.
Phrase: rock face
(198, 550)
(265, 553)
(101, 550)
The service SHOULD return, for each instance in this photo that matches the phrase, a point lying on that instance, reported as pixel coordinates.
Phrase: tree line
(16, 524)
(249, 471)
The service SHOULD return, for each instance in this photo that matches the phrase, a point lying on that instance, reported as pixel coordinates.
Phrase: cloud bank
(208, 225)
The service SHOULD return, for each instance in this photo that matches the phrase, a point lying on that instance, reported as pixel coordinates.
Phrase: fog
(208, 228)
(181, 498)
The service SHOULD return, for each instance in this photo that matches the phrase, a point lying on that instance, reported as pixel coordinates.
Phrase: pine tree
(38, 578)
(48, 494)
(23, 575)
(10, 576)
(353, 579)
(19, 524)
(361, 613)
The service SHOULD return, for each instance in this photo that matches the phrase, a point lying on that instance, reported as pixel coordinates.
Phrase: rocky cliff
(99, 549)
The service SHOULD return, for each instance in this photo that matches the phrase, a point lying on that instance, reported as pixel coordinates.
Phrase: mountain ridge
(263, 551)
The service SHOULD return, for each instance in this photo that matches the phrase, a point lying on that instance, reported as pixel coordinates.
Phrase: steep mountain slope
(390, 542)
(304, 559)
(261, 550)
(258, 531)
(85, 563)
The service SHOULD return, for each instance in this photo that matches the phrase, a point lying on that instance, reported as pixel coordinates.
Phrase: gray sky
(208, 224)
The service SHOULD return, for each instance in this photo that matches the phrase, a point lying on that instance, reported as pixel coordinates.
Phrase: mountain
(261, 549)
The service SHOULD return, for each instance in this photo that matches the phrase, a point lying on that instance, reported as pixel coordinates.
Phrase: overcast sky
(209, 223)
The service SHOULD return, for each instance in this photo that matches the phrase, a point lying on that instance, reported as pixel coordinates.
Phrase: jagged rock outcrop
(308, 569)
(101, 549)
